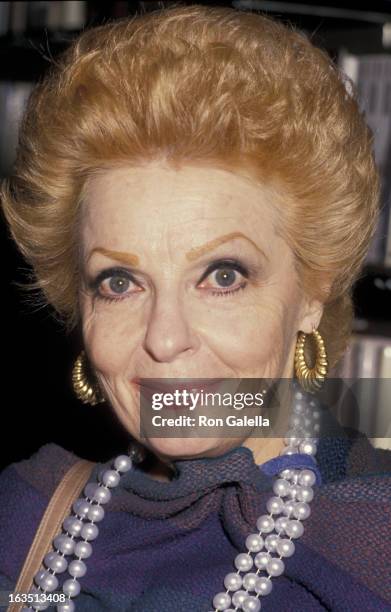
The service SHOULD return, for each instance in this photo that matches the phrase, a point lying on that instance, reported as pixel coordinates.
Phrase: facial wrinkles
(110, 324)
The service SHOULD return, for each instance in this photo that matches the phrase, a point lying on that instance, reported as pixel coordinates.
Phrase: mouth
(148, 386)
(191, 384)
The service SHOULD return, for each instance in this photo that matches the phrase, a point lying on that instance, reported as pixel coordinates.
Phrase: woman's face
(185, 275)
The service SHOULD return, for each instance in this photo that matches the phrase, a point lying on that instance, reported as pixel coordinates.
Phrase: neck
(264, 449)
(268, 447)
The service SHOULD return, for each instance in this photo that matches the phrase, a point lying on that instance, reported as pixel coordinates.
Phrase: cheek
(257, 334)
(110, 341)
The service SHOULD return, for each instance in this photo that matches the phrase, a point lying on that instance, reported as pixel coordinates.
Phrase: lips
(149, 386)
(192, 384)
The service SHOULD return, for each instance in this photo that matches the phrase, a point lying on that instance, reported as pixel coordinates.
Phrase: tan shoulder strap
(57, 510)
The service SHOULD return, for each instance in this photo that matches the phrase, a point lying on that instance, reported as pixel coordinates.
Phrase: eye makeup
(246, 271)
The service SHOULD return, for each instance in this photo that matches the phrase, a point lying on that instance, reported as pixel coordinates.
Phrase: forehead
(155, 198)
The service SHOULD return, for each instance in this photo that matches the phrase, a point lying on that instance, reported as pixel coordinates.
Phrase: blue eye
(226, 274)
(225, 277)
(119, 284)
(114, 284)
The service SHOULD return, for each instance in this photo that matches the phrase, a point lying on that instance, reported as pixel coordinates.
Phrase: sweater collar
(238, 465)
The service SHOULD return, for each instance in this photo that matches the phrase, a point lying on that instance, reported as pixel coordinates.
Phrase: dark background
(37, 401)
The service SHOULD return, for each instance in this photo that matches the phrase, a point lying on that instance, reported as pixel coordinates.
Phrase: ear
(311, 315)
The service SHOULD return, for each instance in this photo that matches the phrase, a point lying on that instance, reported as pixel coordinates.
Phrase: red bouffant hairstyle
(204, 85)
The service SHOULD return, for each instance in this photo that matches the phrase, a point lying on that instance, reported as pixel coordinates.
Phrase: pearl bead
(96, 513)
(299, 408)
(221, 601)
(38, 577)
(77, 568)
(263, 585)
(81, 507)
(72, 525)
(296, 421)
(243, 562)
(89, 489)
(275, 567)
(301, 510)
(286, 474)
(233, 582)
(309, 437)
(305, 494)
(281, 487)
(83, 550)
(249, 581)
(289, 450)
(55, 562)
(271, 542)
(274, 505)
(307, 478)
(281, 523)
(110, 478)
(294, 529)
(66, 606)
(89, 532)
(293, 491)
(64, 544)
(123, 463)
(71, 588)
(295, 476)
(39, 606)
(293, 441)
(254, 542)
(308, 434)
(238, 598)
(47, 581)
(102, 495)
(265, 523)
(298, 395)
(262, 559)
(251, 604)
(307, 447)
(289, 506)
(136, 453)
(285, 548)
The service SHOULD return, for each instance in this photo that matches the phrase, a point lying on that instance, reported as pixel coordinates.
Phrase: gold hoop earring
(311, 379)
(85, 391)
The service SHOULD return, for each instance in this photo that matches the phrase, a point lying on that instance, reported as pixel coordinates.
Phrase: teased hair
(204, 85)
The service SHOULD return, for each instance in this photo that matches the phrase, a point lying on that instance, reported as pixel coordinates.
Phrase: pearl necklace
(287, 508)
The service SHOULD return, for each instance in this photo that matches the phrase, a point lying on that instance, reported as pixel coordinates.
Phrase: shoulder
(351, 517)
(25, 490)
(366, 461)
(42, 471)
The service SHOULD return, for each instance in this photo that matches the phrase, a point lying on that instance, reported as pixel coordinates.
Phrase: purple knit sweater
(166, 546)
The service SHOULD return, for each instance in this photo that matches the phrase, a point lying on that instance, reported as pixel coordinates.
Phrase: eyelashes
(118, 280)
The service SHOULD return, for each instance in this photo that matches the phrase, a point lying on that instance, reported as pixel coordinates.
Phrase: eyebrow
(194, 253)
(197, 252)
(126, 258)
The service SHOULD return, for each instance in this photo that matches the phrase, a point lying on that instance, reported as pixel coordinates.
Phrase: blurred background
(38, 405)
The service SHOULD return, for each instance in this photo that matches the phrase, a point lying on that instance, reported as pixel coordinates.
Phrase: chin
(189, 448)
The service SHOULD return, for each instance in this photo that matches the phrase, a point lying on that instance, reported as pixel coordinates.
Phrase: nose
(168, 334)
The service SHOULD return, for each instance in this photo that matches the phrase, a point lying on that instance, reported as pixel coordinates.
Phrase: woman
(195, 189)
